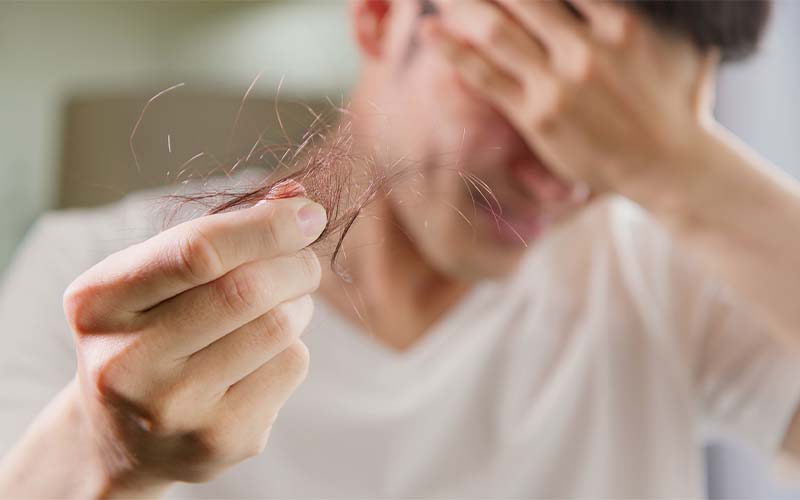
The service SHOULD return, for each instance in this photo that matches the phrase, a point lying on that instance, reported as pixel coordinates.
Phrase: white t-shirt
(595, 371)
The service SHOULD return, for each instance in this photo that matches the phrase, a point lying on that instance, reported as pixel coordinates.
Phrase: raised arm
(740, 217)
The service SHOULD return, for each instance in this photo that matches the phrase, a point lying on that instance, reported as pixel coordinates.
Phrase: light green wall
(50, 50)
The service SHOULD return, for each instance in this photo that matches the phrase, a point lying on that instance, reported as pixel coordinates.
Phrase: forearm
(56, 458)
(740, 217)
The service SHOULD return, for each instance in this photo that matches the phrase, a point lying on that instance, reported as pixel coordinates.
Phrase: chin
(486, 267)
(478, 259)
(488, 249)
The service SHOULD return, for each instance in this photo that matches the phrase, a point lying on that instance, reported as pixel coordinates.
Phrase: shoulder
(634, 243)
(610, 232)
(616, 252)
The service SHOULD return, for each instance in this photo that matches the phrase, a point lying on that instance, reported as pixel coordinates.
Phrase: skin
(500, 89)
(184, 356)
(567, 95)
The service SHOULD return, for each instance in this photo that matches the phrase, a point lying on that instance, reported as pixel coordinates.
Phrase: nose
(534, 180)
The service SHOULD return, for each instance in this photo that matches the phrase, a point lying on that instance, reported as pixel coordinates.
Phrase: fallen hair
(327, 170)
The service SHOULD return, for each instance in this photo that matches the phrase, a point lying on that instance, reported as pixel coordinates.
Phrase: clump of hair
(326, 169)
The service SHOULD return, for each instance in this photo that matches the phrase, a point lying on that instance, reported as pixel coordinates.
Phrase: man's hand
(605, 100)
(188, 343)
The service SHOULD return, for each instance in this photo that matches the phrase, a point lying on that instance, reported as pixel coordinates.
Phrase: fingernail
(287, 188)
(311, 218)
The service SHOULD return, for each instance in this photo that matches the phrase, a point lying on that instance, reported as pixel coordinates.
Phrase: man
(492, 340)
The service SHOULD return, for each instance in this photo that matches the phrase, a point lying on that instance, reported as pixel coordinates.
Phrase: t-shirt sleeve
(36, 352)
(748, 381)
(745, 382)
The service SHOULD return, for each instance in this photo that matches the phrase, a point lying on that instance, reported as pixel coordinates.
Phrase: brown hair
(735, 27)
(325, 169)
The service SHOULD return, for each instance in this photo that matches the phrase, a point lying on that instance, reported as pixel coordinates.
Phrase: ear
(703, 92)
(370, 25)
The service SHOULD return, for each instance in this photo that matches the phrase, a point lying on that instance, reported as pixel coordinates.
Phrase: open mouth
(523, 197)
(510, 227)
(509, 224)
(529, 201)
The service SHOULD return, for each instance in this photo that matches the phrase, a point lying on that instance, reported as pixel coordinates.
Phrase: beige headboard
(97, 163)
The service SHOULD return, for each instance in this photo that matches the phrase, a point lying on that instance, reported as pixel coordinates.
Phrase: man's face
(474, 195)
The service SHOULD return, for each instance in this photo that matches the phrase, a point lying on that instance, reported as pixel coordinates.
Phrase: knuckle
(199, 475)
(253, 450)
(311, 268)
(559, 99)
(484, 77)
(279, 328)
(305, 308)
(104, 377)
(237, 291)
(88, 310)
(552, 104)
(627, 27)
(198, 257)
(112, 378)
(586, 69)
(168, 401)
(77, 304)
(257, 446)
(494, 29)
(582, 59)
(159, 416)
(164, 409)
(297, 359)
(212, 444)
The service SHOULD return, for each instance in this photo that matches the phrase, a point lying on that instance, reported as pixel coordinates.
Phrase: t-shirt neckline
(350, 336)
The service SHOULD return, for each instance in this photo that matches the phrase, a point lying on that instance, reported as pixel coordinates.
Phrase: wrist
(681, 188)
(716, 189)
(58, 457)
(110, 481)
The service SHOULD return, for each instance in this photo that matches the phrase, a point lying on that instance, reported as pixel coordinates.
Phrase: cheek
(442, 116)
(428, 206)
(445, 93)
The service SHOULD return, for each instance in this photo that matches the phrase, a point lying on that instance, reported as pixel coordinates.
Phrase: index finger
(610, 21)
(198, 252)
(552, 23)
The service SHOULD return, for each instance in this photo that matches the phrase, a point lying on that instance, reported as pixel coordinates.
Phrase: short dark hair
(735, 27)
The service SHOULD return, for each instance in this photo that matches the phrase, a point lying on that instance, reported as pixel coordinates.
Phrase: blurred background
(75, 77)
